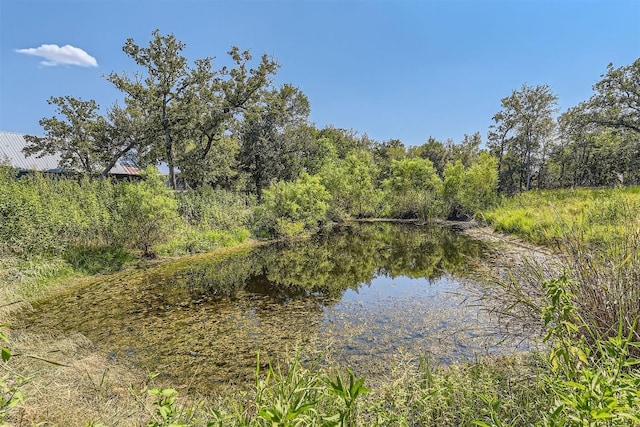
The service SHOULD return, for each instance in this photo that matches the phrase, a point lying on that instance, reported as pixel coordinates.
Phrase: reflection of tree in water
(332, 262)
(202, 319)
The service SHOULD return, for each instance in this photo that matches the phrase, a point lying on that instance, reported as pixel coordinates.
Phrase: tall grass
(603, 217)
(591, 313)
(52, 217)
(597, 235)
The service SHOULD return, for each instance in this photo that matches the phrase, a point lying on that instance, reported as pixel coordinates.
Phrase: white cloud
(66, 55)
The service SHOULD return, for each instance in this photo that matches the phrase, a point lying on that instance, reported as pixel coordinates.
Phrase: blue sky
(390, 69)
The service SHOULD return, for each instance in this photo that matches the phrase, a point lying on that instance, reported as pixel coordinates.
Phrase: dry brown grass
(82, 387)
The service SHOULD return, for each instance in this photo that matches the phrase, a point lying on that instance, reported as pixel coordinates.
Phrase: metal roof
(12, 144)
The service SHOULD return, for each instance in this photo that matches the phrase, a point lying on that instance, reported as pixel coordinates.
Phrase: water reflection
(370, 289)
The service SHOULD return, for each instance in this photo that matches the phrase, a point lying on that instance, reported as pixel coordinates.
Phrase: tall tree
(521, 131)
(616, 101)
(160, 93)
(266, 146)
(600, 135)
(217, 99)
(72, 134)
(87, 141)
(123, 135)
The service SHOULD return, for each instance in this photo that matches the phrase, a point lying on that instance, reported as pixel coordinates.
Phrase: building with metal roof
(12, 144)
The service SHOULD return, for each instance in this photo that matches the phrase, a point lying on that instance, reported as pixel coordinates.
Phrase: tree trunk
(169, 148)
(168, 144)
(115, 159)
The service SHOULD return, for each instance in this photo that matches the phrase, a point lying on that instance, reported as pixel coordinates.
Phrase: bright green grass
(601, 216)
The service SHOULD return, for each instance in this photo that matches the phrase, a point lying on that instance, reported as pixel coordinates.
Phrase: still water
(363, 295)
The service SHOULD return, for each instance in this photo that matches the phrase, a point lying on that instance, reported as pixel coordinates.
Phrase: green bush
(413, 189)
(293, 208)
(44, 216)
(351, 183)
(209, 209)
(468, 191)
(146, 212)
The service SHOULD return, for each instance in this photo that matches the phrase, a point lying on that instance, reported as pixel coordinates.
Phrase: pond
(362, 294)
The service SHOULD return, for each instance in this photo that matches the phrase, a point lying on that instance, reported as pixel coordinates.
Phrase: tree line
(231, 127)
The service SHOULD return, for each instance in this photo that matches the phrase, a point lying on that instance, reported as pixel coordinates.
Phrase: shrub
(413, 189)
(467, 191)
(292, 208)
(350, 181)
(146, 212)
(206, 208)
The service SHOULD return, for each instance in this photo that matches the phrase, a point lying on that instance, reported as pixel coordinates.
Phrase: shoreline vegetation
(254, 167)
(508, 390)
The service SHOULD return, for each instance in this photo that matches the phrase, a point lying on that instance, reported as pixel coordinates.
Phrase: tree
(600, 136)
(521, 132)
(468, 190)
(124, 135)
(616, 101)
(351, 182)
(413, 188)
(190, 107)
(468, 150)
(146, 212)
(384, 153)
(267, 148)
(161, 92)
(344, 142)
(433, 150)
(85, 140)
(291, 208)
(218, 99)
(73, 134)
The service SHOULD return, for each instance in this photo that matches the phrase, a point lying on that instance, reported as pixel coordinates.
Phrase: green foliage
(10, 394)
(291, 208)
(497, 392)
(42, 215)
(270, 146)
(602, 218)
(289, 398)
(166, 413)
(348, 396)
(206, 208)
(519, 138)
(351, 183)
(189, 107)
(145, 214)
(86, 141)
(75, 138)
(593, 383)
(615, 101)
(469, 190)
(413, 189)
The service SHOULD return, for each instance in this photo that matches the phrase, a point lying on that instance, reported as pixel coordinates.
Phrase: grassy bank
(604, 218)
(588, 377)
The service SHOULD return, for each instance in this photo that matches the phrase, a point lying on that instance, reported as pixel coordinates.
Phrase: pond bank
(88, 370)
